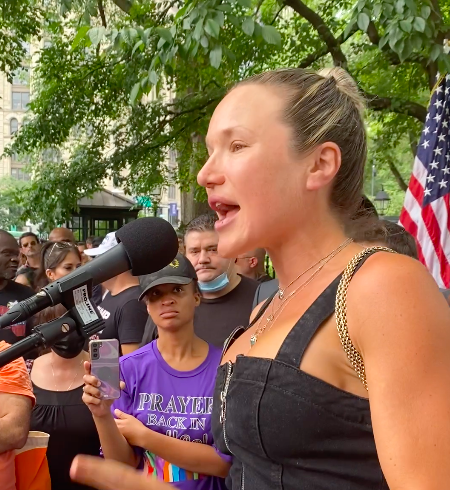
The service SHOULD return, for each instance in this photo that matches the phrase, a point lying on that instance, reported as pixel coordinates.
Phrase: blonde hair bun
(346, 85)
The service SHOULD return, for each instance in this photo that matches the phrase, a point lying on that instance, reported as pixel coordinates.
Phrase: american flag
(426, 210)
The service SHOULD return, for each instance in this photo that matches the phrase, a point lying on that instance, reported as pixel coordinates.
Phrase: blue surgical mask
(217, 284)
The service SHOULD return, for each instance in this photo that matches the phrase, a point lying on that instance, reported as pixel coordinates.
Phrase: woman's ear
(327, 162)
(50, 275)
(198, 298)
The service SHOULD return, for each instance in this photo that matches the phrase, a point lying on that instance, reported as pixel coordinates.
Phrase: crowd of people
(334, 374)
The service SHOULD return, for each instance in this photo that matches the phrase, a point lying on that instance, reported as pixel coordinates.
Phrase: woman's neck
(178, 345)
(301, 248)
(60, 363)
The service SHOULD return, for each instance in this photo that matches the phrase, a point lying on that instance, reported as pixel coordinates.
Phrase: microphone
(146, 245)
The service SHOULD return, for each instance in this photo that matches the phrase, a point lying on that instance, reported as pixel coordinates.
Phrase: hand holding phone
(105, 367)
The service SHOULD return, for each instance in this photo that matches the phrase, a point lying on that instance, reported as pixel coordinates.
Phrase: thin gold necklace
(281, 291)
(73, 381)
(270, 320)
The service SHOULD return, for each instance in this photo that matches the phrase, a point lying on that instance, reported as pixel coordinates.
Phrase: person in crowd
(57, 379)
(341, 382)
(163, 416)
(11, 292)
(81, 248)
(180, 237)
(227, 297)
(16, 402)
(251, 264)
(61, 234)
(125, 316)
(30, 249)
(89, 241)
(57, 260)
(97, 241)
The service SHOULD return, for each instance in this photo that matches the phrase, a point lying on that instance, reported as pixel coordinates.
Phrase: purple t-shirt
(175, 403)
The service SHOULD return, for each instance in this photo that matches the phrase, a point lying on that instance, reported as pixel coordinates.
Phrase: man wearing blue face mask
(227, 297)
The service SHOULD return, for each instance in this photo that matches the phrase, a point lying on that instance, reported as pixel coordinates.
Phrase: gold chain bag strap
(353, 355)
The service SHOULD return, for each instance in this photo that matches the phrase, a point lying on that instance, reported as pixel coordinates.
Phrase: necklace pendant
(270, 318)
(280, 293)
(253, 340)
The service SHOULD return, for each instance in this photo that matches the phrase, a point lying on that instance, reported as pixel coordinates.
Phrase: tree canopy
(125, 85)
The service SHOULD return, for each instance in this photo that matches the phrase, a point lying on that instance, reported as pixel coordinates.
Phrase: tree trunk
(398, 176)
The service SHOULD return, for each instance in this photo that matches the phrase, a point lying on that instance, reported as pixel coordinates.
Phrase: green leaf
(96, 34)
(407, 50)
(245, 3)
(436, 50)
(164, 34)
(153, 77)
(383, 42)
(135, 92)
(212, 28)
(248, 26)
(416, 42)
(348, 28)
(204, 41)
(215, 56)
(181, 12)
(271, 35)
(224, 7)
(234, 20)
(425, 11)
(419, 24)
(81, 34)
(229, 54)
(198, 31)
(363, 21)
(138, 45)
(405, 26)
(219, 18)
(377, 10)
(399, 6)
(187, 23)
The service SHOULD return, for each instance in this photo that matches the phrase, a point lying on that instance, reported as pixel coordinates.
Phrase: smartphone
(105, 366)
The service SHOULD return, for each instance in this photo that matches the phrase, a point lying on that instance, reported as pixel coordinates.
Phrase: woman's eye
(178, 290)
(237, 146)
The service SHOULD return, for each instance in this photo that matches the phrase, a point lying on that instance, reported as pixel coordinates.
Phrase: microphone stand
(49, 333)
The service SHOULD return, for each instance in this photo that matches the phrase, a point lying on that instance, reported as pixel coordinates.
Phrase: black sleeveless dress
(289, 430)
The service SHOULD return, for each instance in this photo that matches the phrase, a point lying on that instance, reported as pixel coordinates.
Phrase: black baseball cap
(179, 271)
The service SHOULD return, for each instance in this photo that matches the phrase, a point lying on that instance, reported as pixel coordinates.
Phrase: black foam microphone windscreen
(148, 242)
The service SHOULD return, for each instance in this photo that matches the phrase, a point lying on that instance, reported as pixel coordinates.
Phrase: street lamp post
(382, 201)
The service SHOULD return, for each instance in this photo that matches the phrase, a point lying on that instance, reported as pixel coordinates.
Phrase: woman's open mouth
(226, 212)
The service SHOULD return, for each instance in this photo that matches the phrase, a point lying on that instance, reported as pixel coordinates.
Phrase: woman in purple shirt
(163, 418)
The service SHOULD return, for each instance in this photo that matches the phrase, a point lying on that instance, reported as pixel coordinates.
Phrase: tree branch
(324, 32)
(399, 106)
(124, 5)
(311, 58)
(101, 11)
(397, 175)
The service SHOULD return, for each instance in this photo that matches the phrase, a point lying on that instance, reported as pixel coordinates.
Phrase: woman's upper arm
(400, 323)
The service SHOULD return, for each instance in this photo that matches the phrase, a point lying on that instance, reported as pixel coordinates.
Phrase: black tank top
(289, 430)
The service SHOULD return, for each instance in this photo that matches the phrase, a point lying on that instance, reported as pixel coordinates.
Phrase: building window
(21, 76)
(20, 100)
(19, 174)
(51, 155)
(13, 126)
(172, 192)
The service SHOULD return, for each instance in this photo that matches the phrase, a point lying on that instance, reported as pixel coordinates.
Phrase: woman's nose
(210, 174)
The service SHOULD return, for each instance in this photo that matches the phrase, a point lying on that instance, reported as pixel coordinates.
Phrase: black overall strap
(294, 346)
(298, 339)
